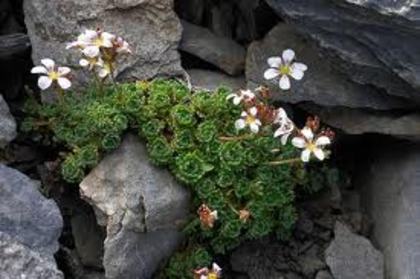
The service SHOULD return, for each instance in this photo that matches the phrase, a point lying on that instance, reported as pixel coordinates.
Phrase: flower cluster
(100, 51)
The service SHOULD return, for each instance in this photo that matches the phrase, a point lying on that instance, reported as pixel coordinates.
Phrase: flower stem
(223, 138)
(284, 162)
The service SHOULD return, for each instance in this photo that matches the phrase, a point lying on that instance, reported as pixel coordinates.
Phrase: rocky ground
(363, 80)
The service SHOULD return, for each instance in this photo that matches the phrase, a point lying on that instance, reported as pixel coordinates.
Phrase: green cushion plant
(242, 182)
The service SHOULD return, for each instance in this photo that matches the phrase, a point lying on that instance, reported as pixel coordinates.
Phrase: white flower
(238, 97)
(249, 119)
(91, 63)
(217, 269)
(286, 126)
(49, 74)
(283, 67)
(92, 41)
(311, 145)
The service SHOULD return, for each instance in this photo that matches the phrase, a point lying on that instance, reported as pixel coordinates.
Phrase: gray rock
(191, 10)
(391, 196)
(321, 84)
(323, 274)
(224, 53)
(352, 256)
(19, 261)
(26, 215)
(211, 80)
(373, 42)
(141, 206)
(88, 238)
(358, 122)
(260, 259)
(7, 124)
(222, 20)
(152, 28)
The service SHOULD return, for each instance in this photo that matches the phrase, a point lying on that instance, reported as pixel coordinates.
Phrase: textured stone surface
(391, 185)
(352, 256)
(151, 26)
(141, 206)
(358, 122)
(211, 80)
(19, 261)
(224, 53)
(26, 215)
(373, 42)
(321, 83)
(7, 124)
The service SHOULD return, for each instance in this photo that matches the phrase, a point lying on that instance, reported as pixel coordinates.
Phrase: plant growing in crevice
(223, 145)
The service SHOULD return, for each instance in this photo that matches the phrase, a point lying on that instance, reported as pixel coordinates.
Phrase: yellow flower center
(212, 275)
(249, 119)
(98, 42)
(311, 146)
(284, 69)
(53, 75)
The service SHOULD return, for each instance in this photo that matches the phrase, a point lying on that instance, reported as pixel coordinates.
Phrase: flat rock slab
(142, 207)
(224, 53)
(7, 124)
(18, 261)
(321, 84)
(25, 214)
(351, 256)
(391, 196)
(151, 27)
(211, 80)
(373, 42)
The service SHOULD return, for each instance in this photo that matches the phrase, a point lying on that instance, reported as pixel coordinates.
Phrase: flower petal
(296, 73)
(240, 124)
(279, 132)
(39, 70)
(237, 100)
(244, 114)
(103, 73)
(321, 141)
(271, 73)
(84, 62)
(288, 55)
(216, 268)
(48, 63)
(254, 128)
(258, 122)
(299, 66)
(284, 82)
(62, 71)
(253, 111)
(91, 51)
(319, 153)
(284, 138)
(299, 142)
(274, 62)
(307, 133)
(305, 156)
(230, 96)
(44, 82)
(64, 83)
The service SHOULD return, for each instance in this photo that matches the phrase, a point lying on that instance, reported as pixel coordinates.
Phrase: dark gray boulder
(26, 215)
(7, 124)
